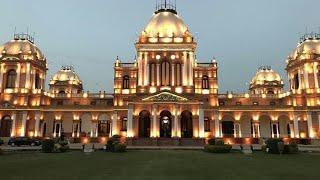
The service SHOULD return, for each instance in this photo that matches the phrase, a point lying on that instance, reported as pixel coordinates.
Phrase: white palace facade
(164, 94)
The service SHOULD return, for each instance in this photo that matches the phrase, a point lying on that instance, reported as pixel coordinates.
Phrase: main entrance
(165, 124)
(5, 126)
(144, 124)
(186, 124)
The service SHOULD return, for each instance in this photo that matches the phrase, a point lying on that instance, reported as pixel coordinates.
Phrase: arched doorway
(144, 124)
(227, 126)
(186, 124)
(104, 125)
(165, 124)
(6, 126)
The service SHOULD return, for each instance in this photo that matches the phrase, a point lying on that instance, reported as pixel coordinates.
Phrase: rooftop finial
(166, 5)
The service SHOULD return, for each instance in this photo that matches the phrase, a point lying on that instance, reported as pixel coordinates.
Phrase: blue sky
(242, 35)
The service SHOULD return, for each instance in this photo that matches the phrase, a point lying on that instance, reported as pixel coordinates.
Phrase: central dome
(266, 76)
(166, 24)
(66, 74)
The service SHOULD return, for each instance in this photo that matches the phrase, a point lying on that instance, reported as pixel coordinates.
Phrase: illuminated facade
(164, 93)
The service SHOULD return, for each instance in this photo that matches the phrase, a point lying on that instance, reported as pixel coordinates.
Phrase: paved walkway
(304, 148)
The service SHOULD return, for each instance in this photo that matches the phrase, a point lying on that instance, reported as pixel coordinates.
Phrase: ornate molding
(165, 97)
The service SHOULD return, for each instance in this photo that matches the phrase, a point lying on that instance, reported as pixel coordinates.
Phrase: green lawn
(153, 165)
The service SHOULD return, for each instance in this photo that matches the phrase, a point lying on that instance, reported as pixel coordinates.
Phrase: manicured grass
(154, 165)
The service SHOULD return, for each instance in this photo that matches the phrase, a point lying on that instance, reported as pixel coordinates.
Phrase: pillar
(23, 125)
(191, 61)
(27, 84)
(184, 70)
(154, 130)
(13, 128)
(130, 121)
(172, 75)
(201, 121)
(216, 124)
(146, 69)
(37, 124)
(306, 78)
(310, 127)
(1, 76)
(296, 126)
(315, 75)
(301, 86)
(114, 130)
(18, 76)
(140, 70)
(176, 122)
(158, 75)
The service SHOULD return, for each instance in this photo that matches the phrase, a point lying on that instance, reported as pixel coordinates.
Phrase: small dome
(21, 47)
(166, 24)
(309, 45)
(66, 74)
(266, 75)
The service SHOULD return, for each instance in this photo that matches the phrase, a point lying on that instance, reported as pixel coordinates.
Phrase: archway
(227, 126)
(186, 124)
(165, 124)
(144, 124)
(6, 126)
(265, 123)
(284, 126)
(104, 126)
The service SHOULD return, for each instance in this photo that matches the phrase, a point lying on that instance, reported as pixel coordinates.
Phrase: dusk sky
(89, 35)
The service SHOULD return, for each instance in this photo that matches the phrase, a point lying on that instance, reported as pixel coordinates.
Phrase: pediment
(165, 97)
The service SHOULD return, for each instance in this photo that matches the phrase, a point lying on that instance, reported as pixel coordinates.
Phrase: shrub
(119, 147)
(217, 148)
(264, 148)
(272, 145)
(1, 151)
(291, 148)
(110, 145)
(219, 142)
(211, 141)
(48, 145)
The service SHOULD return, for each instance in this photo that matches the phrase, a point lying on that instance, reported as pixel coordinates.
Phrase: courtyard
(161, 164)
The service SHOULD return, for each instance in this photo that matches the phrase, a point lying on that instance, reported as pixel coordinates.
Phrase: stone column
(296, 126)
(146, 69)
(172, 75)
(130, 121)
(140, 70)
(23, 125)
(184, 70)
(201, 121)
(216, 124)
(306, 78)
(176, 123)
(154, 130)
(310, 127)
(158, 75)
(27, 84)
(1, 76)
(13, 128)
(37, 124)
(301, 86)
(18, 76)
(115, 124)
(191, 60)
(315, 75)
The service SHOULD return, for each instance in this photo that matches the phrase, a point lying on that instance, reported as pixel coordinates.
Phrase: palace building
(165, 93)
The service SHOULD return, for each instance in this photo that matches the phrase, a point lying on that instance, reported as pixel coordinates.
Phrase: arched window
(11, 79)
(178, 75)
(165, 73)
(152, 74)
(126, 82)
(296, 84)
(205, 82)
(37, 81)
